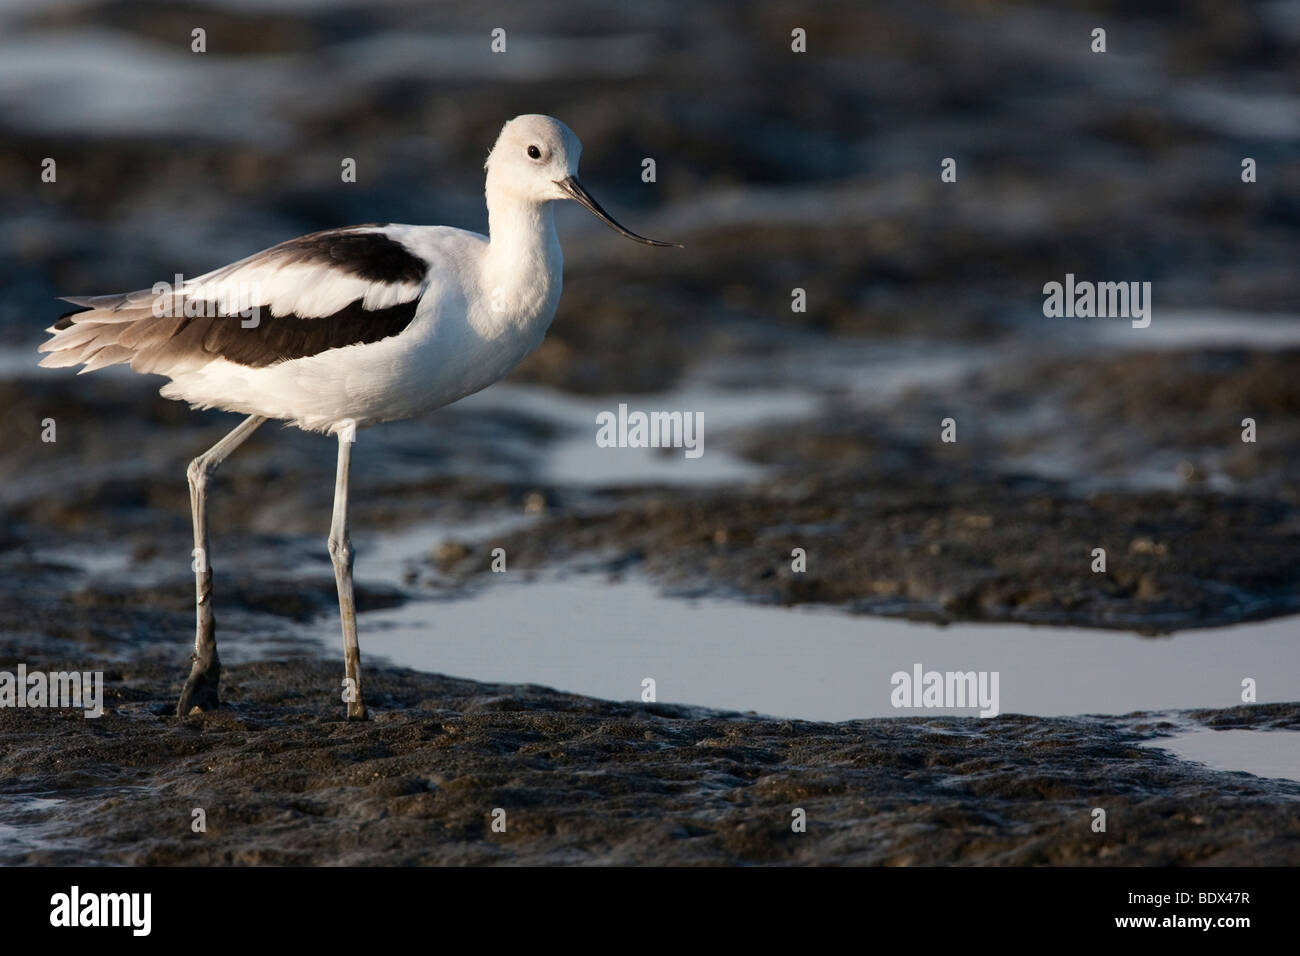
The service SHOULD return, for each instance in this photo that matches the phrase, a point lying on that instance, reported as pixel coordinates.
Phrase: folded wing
(305, 296)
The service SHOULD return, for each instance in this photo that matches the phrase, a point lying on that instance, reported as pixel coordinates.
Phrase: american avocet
(342, 329)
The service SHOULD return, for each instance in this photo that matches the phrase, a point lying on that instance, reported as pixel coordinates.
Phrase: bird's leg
(341, 554)
(201, 688)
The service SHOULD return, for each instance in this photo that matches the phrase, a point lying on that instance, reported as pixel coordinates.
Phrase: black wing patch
(368, 255)
(279, 338)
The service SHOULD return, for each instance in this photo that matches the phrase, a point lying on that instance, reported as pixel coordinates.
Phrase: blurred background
(777, 170)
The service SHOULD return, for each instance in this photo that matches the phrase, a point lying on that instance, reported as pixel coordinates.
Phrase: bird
(341, 330)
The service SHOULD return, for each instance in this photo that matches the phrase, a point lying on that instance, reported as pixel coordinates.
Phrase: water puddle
(590, 635)
(1264, 753)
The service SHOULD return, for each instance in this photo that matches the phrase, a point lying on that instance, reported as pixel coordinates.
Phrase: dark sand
(284, 779)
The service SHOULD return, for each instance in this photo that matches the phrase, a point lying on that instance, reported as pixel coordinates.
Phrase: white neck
(523, 264)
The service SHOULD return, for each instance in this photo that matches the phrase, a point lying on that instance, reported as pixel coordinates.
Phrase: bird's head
(535, 160)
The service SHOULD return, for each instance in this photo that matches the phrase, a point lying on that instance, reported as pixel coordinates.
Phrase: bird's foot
(357, 711)
(201, 688)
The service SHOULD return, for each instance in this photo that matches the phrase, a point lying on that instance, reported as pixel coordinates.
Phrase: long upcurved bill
(574, 188)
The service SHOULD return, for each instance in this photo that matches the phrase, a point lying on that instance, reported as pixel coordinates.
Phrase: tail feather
(72, 337)
(108, 355)
(113, 301)
(90, 333)
(60, 360)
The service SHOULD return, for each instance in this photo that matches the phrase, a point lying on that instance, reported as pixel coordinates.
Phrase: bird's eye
(534, 152)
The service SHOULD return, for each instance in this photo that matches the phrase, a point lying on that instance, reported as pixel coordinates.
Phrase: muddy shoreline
(283, 779)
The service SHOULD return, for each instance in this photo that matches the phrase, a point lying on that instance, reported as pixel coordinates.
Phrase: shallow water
(591, 635)
(1264, 753)
(601, 638)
